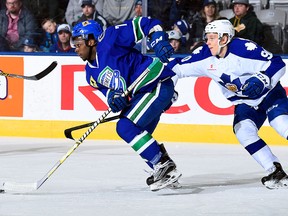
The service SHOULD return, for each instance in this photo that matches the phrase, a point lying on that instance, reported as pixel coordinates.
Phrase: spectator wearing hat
(138, 8)
(74, 10)
(89, 12)
(245, 22)
(29, 45)
(63, 44)
(175, 39)
(183, 28)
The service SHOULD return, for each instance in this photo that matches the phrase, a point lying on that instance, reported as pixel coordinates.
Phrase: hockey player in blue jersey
(248, 76)
(112, 65)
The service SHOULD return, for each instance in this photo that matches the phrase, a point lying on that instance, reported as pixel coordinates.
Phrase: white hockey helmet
(221, 27)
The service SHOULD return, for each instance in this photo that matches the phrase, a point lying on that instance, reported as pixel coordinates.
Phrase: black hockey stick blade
(68, 131)
(38, 76)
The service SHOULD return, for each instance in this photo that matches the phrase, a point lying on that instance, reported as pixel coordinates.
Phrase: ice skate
(276, 179)
(164, 174)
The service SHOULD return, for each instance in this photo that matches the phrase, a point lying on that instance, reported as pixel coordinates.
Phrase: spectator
(51, 35)
(116, 12)
(29, 45)
(208, 13)
(16, 24)
(245, 22)
(63, 44)
(175, 39)
(138, 8)
(183, 28)
(90, 13)
(74, 10)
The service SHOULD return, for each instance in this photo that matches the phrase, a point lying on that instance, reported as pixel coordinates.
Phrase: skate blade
(175, 175)
(273, 185)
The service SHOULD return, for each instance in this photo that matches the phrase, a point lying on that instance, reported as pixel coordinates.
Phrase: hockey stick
(34, 77)
(26, 187)
(68, 131)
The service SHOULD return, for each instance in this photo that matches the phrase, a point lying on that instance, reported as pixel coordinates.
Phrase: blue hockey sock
(141, 141)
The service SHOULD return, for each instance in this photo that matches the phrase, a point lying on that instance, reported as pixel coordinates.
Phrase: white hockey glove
(255, 85)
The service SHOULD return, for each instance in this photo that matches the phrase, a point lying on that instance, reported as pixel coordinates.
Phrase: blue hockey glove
(160, 44)
(255, 85)
(117, 102)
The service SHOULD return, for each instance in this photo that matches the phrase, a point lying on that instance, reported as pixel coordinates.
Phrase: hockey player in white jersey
(249, 77)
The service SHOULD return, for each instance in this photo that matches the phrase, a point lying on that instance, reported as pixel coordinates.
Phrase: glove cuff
(263, 78)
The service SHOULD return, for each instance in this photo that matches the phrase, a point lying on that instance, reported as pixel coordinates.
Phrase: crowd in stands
(45, 26)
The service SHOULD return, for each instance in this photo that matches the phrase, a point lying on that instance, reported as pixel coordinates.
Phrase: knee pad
(246, 132)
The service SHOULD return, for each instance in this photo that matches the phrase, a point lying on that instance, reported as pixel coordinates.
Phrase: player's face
(80, 48)
(212, 42)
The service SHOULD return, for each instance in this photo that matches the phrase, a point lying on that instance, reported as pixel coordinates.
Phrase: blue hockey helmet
(88, 27)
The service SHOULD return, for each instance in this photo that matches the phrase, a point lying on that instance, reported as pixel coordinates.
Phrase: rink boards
(63, 99)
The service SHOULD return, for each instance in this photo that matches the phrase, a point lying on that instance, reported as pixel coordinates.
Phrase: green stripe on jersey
(137, 29)
(153, 74)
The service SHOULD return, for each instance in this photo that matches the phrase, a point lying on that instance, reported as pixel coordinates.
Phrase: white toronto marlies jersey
(243, 59)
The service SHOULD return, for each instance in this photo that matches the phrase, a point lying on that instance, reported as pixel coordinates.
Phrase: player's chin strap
(221, 46)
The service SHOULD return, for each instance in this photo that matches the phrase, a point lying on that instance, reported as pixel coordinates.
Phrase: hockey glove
(160, 44)
(117, 102)
(255, 85)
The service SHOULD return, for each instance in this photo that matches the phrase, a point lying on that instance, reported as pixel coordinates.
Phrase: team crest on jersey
(232, 87)
(111, 79)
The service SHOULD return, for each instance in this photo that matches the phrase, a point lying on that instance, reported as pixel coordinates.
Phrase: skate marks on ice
(214, 183)
(204, 184)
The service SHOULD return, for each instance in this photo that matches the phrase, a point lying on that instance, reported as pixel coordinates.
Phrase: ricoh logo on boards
(202, 95)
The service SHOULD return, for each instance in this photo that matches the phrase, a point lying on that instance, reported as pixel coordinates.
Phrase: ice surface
(107, 178)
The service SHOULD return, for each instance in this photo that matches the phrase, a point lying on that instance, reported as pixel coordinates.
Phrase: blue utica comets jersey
(243, 59)
(117, 63)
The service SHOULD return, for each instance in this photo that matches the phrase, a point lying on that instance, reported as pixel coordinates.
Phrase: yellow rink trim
(106, 131)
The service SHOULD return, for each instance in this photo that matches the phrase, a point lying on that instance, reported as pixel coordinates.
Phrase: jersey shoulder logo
(93, 83)
(198, 50)
(250, 46)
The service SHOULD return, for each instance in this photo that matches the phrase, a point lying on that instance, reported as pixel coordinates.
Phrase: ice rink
(107, 178)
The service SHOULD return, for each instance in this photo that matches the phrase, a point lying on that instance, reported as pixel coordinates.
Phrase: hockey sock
(262, 154)
(141, 141)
